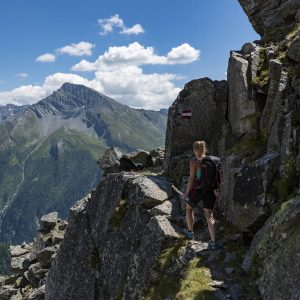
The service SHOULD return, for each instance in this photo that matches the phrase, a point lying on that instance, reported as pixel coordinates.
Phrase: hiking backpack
(211, 174)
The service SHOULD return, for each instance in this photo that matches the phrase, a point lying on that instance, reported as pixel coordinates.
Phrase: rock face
(30, 262)
(240, 105)
(206, 101)
(109, 237)
(245, 190)
(271, 18)
(275, 252)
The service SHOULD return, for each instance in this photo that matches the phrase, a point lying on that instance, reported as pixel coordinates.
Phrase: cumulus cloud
(21, 75)
(29, 94)
(137, 55)
(135, 29)
(128, 85)
(79, 49)
(183, 54)
(118, 74)
(47, 57)
(108, 25)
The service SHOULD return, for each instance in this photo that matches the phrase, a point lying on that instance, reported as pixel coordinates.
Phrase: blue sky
(141, 70)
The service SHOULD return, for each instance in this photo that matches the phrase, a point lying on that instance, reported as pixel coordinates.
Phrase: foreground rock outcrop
(125, 242)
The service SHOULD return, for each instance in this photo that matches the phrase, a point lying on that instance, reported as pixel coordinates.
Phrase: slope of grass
(53, 182)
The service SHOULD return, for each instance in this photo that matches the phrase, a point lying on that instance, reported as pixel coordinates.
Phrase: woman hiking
(196, 192)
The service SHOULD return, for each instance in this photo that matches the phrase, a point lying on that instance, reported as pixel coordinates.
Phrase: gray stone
(219, 284)
(296, 86)
(274, 253)
(157, 156)
(35, 274)
(57, 236)
(294, 50)
(10, 279)
(213, 256)
(272, 19)
(235, 291)
(150, 190)
(240, 107)
(163, 209)
(62, 225)
(19, 250)
(278, 83)
(44, 256)
(244, 192)
(17, 263)
(229, 270)
(141, 157)
(110, 161)
(179, 166)
(229, 256)
(21, 282)
(79, 206)
(37, 294)
(7, 292)
(50, 220)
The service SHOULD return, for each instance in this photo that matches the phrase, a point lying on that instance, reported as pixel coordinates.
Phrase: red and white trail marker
(186, 114)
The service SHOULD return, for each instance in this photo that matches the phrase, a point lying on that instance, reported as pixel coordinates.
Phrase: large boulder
(195, 116)
(274, 254)
(245, 200)
(110, 161)
(50, 220)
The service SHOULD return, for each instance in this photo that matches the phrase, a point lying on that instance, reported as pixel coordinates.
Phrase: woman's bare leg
(210, 223)
(189, 217)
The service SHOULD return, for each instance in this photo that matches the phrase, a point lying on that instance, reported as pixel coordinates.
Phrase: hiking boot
(214, 245)
(188, 234)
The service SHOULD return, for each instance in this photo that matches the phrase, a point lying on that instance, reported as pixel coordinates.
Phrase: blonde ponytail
(199, 148)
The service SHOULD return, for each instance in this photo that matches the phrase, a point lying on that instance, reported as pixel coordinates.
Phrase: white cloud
(137, 55)
(128, 85)
(79, 49)
(29, 94)
(135, 29)
(21, 75)
(47, 57)
(118, 74)
(108, 25)
(183, 54)
(84, 66)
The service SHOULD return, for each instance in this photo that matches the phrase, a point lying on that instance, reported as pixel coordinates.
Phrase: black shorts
(208, 198)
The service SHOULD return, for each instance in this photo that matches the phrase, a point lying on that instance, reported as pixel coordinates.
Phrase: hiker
(204, 184)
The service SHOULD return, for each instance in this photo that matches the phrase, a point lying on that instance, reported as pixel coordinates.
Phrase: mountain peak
(69, 97)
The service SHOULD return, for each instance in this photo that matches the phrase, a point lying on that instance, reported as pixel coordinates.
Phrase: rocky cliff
(256, 132)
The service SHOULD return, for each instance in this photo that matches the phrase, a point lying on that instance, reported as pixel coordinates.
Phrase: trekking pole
(181, 194)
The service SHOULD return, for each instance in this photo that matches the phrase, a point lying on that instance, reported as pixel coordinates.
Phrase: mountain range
(48, 152)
